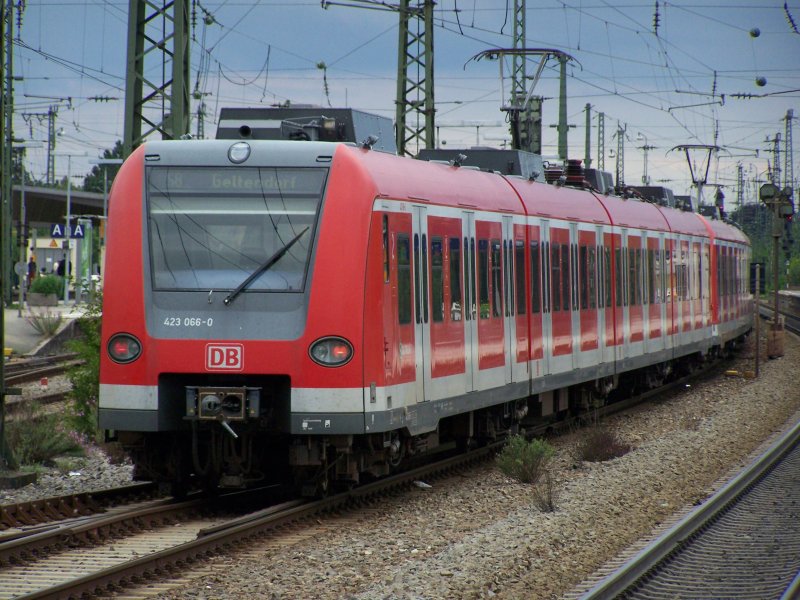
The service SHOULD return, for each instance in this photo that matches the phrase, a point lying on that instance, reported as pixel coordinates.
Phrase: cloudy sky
(720, 72)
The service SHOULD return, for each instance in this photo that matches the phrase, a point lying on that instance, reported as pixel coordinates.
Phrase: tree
(93, 182)
(794, 271)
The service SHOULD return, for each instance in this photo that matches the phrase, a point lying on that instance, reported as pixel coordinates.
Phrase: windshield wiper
(263, 267)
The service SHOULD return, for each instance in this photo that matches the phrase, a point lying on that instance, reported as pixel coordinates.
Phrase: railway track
(136, 547)
(46, 511)
(744, 542)
(159, 539)
(787, 310)
(31, 369)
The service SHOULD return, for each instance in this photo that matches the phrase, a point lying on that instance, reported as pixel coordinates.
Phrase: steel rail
(626, 577)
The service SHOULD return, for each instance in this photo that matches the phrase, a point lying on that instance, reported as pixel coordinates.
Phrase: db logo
(228, 357)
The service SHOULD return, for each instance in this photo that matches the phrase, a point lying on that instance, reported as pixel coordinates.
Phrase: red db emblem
(227, 357)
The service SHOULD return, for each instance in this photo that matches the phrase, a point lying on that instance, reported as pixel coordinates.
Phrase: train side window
(417, 307)
(472, 276)
(618, 266)
(507, 274)
(536, 285)
(566, 277)
(700, 273)
(437, 280)
(483, 278)
(584, 267)
(573, 261)
(546, 279)
(643, 289)
(519, 273)
(510, 292)
(403, 279)
(601, 277)
(591, 276)
(385, 238)
(607, 276)
(555, 275)
(424, 278)
(651, 276)
(456, 305)
(497, 280)
(632, 276)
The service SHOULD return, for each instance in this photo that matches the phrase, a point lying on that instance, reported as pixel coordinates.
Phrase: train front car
(213, 323)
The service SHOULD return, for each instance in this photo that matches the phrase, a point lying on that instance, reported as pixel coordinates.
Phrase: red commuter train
(324, 311)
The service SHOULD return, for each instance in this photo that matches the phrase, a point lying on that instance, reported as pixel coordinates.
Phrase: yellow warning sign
(53, 244)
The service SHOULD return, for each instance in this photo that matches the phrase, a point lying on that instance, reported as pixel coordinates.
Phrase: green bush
(37, 438)
(525, 461)
(45, 323)
(47, 284)
(85, 376)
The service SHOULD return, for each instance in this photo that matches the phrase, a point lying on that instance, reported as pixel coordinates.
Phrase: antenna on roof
(458, 160)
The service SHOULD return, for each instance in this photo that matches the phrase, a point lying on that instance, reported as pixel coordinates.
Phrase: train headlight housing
(124, 348)
(331, 351)
(239, 152)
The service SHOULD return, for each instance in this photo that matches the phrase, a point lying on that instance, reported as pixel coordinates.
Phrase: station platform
(22, 339)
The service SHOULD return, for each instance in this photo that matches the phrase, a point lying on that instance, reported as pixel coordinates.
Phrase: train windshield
(210, 228)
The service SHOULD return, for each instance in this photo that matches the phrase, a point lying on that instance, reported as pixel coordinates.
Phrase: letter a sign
(224, 357)
(57, 230)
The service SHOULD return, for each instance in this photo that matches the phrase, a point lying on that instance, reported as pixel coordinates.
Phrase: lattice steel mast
(157, 31)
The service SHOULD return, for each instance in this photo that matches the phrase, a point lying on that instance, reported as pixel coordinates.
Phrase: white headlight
(239, 152)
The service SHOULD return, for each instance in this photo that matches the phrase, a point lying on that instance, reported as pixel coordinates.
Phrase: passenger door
(470, 300)
(422, 333)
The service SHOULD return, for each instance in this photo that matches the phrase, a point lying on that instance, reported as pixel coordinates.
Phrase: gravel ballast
(480, 534)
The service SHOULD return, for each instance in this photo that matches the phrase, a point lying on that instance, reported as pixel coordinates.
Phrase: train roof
(726, 231)
(409, 179)
(559, 202)
(414, 180)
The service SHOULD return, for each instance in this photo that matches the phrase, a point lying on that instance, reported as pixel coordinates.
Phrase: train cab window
(437, 280)
(403, 279)
(456, 305)
(536, 285)
(497, 280)
(211, 228)
(519, 273)
(483, 278)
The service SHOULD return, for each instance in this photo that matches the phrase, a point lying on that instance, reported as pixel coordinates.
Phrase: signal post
(779, 201)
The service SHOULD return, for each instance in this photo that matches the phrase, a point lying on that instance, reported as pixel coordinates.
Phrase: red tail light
(331, 351)
(124, 348)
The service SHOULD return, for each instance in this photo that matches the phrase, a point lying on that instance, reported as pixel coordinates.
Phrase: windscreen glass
(212, 228)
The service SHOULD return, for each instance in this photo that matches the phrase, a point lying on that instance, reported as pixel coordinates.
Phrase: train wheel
(313, 483)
